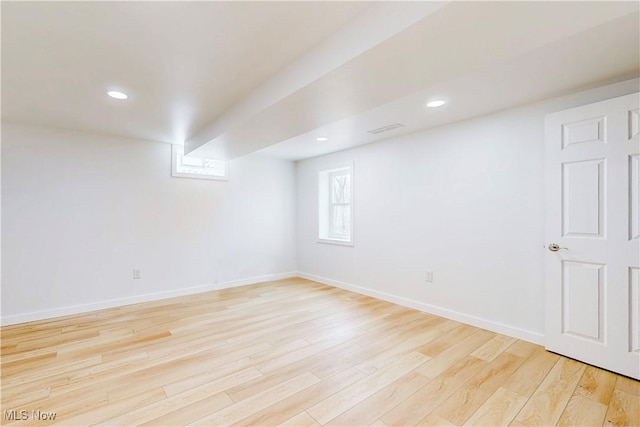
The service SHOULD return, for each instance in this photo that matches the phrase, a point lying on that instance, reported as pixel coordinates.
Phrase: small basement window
(195, 167)
(335, 206)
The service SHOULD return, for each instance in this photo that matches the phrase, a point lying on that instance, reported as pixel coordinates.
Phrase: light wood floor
(296, 353)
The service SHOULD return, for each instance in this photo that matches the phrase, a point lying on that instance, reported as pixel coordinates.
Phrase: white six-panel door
(593, 234)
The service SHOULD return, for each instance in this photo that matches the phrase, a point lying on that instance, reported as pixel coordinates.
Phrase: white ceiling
(182, 63)
(232, 78)
(601, 55)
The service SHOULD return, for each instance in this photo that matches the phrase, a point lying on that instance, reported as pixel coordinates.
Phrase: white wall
(81, 211)
(464, 200)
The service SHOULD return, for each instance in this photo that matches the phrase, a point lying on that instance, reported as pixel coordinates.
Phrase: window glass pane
(341, 186)
(341, 220)
(214, 167)
(334, 206)
(191, 161)
(199, 166)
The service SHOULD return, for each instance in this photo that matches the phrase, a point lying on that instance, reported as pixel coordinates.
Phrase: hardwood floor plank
(434, 420)
(301, 420)
(217, 383)
(255, 386)
(158, 375)
(549, 400)
(423, 333)
(628, 385)
(83, 405)
(298, 354)
(454, 354)
(281, 411)
(191, 412)
(370, 409)
(114, 409)
(425, 400)
(531, 373)
(335, 363)
(68, 374)
(225, 374)
(498, 410)
(64, 409)
(465, 401)
(523, 348)
(27, 398)
(166, 406)
(582, 412)
(389, 327)
(65, 406)
(445, 341)
(492, 348)
(597, 384)
(333, 406)
(623, 410)
(236, 412)
(16, 384)
(18, 366)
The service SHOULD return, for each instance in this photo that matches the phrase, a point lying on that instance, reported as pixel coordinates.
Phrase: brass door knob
(554, 247)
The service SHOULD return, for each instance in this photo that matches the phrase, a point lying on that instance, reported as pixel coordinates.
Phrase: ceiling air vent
(385, 128)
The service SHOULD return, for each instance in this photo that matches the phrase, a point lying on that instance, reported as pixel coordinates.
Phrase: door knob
(554, 247)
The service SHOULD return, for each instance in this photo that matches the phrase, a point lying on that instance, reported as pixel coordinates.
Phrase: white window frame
(326, 205)
(177, 156)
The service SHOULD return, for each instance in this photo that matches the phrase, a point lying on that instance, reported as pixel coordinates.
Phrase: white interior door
(593, 217)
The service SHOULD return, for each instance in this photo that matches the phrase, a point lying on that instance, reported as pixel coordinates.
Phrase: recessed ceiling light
(436, 103)
(117, 95)
(322, 138)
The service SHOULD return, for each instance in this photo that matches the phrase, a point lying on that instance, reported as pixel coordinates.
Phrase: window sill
(335, 242)
(199, 176)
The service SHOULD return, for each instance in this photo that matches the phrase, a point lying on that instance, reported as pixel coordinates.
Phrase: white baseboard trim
(479, 322)
(119, 302)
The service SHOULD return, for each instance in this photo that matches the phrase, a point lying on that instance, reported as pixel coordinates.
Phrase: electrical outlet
(428, 276)
(136, 273)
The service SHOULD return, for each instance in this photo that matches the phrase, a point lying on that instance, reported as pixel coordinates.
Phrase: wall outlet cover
(428, 276)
